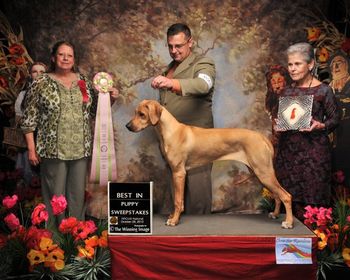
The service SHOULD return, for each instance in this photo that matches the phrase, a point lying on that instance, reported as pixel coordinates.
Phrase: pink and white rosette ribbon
(103, 165)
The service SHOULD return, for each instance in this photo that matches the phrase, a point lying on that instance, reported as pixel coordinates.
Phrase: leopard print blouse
(42, 112)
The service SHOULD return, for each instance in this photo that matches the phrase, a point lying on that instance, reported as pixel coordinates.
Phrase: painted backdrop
(127, 39)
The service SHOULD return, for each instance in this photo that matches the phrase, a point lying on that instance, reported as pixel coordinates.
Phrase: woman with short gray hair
(303, 159)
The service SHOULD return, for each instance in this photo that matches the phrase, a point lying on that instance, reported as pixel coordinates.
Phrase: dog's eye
(142, 115)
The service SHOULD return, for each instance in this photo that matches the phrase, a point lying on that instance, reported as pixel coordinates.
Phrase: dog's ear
(154, 111)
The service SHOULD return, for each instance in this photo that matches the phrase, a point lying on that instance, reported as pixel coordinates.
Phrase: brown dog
(185, 147)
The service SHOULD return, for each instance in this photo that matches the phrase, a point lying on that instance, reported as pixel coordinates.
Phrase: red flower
(16, 49)
(34, 236)
(12, 221)
(83, 229)
(18, 60)
(3, 83)
(3, 240)
(82, 86)
(346, 45)
(9, 202)
(339, 176)
(58, 204)
(68, 224)
(39, 214)
(19, 233)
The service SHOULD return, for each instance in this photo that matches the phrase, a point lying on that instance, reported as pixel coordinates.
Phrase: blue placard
(130, 208)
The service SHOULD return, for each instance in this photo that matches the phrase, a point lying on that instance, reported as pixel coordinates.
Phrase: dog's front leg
(179, 187)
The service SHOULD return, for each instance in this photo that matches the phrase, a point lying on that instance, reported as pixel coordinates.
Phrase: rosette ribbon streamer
(103, 165)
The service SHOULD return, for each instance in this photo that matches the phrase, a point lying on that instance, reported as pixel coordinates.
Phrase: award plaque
(294, 112)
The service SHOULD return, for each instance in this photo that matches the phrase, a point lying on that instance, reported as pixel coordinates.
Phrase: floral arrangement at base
(332, 227)
(36, 249)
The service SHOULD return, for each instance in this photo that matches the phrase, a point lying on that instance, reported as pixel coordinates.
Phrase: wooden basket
(14, 136)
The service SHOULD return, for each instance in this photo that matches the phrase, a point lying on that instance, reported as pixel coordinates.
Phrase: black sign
(130, 208)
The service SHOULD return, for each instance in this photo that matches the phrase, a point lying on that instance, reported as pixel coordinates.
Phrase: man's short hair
(177, 28)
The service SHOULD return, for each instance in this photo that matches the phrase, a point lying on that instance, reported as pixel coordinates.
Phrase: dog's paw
(286, 225)
(272, 216)
(171, 222)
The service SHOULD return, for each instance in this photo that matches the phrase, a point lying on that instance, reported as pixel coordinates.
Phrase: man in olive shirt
(186, 91)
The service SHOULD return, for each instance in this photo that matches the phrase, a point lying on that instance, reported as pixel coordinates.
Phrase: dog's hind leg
(276, 212)
(179, 187)
(271, 183)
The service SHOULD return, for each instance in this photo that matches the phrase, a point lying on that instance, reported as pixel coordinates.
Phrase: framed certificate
(294, 112)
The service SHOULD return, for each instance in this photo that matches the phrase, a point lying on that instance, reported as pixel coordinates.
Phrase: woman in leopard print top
(60, 106)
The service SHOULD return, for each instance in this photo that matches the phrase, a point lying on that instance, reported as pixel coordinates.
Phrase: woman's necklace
(312, 78)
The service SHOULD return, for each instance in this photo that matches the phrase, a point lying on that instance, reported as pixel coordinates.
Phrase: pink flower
(324, 216)
(9, 202)
(68, 224)
(12, 221)
(348, 219)
(310, 214)
(39, 214)
(58, 204)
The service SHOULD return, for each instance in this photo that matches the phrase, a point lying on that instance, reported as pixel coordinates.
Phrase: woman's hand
(275, 123)
(315, 125)
(114, 93)
(33, 157)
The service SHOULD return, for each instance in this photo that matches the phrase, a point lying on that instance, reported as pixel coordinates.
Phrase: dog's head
(147, 113)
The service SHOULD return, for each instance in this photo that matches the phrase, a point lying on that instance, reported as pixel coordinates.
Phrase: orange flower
(46, 244)
(323, 55)
(87, 252)
(266, 193)
(313, 33)
(92, 241)
(35, 257)
(346, 256)
(322, 239)
(16, 49)
(55, 259)
(103, 242)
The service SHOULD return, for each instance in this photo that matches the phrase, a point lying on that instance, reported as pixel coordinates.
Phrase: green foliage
(327, 261)
(96, 269)
(14, 252)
